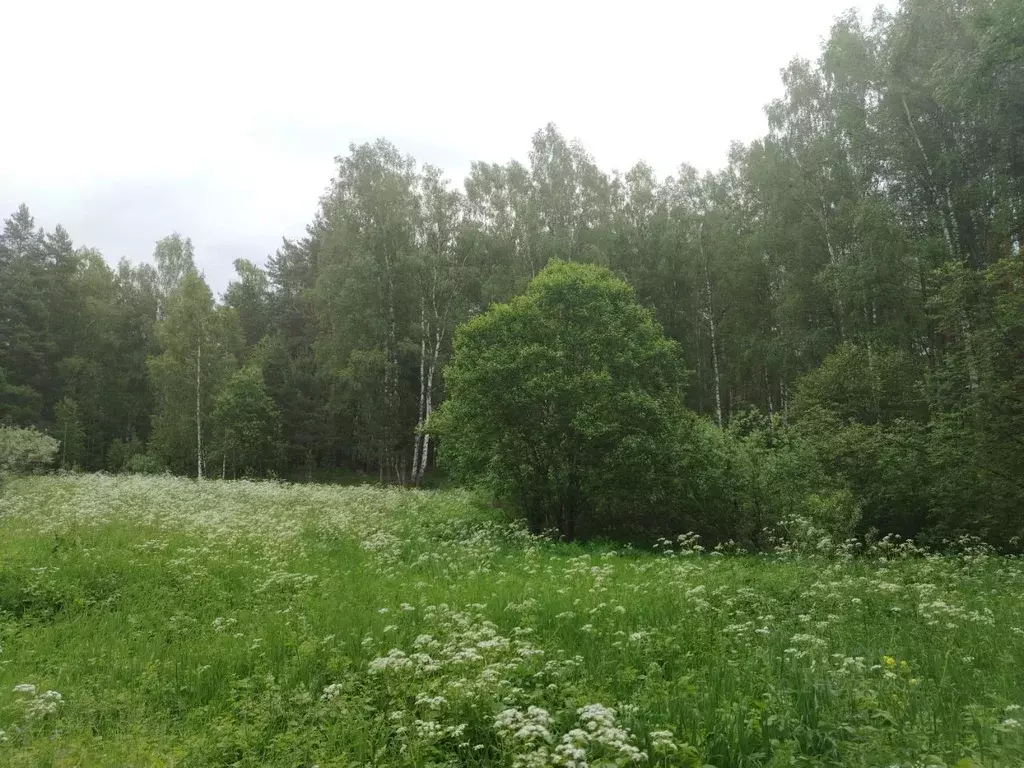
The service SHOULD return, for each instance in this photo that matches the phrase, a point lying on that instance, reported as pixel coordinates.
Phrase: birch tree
(187, 374)
(174, 257)
(443, 272)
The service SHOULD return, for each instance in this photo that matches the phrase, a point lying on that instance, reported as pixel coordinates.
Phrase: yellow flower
(889, 661)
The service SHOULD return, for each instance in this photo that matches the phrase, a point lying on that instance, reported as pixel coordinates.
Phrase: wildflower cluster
(36, 705)
(596, 738)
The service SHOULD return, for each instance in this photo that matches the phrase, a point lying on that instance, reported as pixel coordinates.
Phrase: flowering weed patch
(160, 621)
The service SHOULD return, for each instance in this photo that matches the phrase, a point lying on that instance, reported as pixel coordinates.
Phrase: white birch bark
(418, 441)
(951, 245)
(425, 453)
(710, 316)
(199, 402)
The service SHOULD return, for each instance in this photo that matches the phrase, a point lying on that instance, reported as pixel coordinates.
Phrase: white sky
(126, 121)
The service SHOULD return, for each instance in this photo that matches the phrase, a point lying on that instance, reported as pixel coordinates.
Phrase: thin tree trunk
(784, 396)
(951, 245)
(711, 328)
(425, 454)
(199, 420)
(714, 363)
(954, 226)
(972, 366)
(392, 396)
(833, 258)
(418, 437)
(700, 366)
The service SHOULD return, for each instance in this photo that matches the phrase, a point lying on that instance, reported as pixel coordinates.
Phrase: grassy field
(165, 622)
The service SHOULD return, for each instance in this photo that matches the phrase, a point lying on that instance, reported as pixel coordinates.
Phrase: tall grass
(213, 624)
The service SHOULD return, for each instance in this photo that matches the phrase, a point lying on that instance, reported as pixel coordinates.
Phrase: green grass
(253, 624)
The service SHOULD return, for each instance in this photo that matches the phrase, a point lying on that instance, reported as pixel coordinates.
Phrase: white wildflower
(44, 704)
(426, 700)
(428, 729)
(331, 692)
(395, 660)
(663, 741)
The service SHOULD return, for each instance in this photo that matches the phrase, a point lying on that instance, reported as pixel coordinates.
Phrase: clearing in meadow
(161, 621)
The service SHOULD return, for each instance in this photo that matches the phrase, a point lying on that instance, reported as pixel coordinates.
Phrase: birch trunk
(425, 454)
(714, 360)
(418, 438)
(388, 459)
(972, 366)
(833, 258)
(199, 409)
(951, 245)
(711, 328)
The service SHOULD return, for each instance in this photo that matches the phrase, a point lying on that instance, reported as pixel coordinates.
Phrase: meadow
(165, 622)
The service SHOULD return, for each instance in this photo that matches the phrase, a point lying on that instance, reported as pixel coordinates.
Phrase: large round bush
(564, 401)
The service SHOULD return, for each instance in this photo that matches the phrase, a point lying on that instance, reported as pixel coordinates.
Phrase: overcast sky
(126, 121)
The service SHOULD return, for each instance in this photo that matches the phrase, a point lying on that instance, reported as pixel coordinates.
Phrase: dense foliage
(161, 621)
(25, 450)
(563, 400)
(846, 292)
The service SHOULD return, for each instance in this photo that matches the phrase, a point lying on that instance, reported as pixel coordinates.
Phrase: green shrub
(146, 464)
(26, 450)
(563, 401)
(781, 487)
(698, 481)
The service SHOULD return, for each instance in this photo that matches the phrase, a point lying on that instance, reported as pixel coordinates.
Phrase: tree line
(847, 292)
